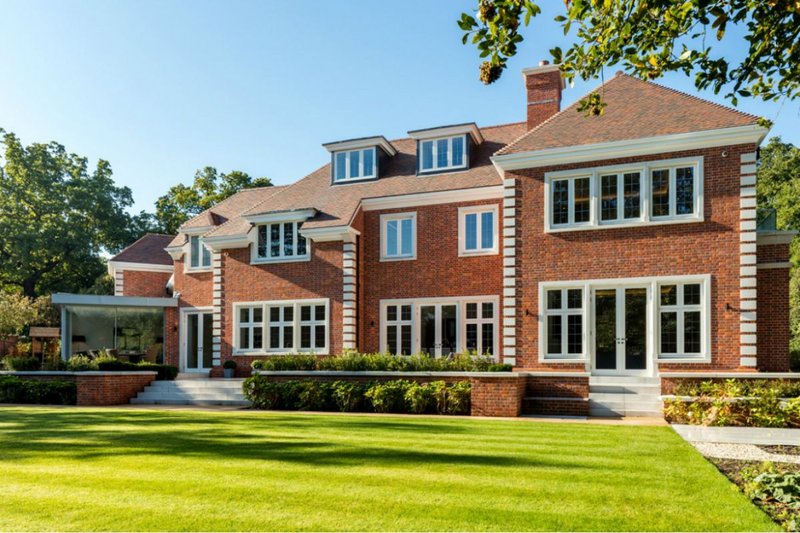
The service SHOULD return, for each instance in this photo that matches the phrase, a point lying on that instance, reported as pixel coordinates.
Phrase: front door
(198, 346)
(438, 329)
(620, 330)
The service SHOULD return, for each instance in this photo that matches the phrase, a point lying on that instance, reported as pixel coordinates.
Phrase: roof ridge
(237, 193)
(285, 187)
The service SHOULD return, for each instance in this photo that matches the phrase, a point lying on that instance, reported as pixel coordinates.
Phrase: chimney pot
(544, 63)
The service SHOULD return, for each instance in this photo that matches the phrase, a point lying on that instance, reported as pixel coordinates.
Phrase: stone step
(193, 392)
(624, 396)
(156, 395)
(621, 388)
(611, 413)
(139, 401)
(624, 380)
(199, 385)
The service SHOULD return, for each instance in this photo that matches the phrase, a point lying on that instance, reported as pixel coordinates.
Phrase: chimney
(543, 85)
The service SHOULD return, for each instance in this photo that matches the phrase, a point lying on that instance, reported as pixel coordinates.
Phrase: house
(624, 244)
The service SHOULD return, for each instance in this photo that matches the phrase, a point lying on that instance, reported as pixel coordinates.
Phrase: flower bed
(357, 362)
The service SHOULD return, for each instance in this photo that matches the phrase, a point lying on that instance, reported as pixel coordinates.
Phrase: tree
(209, 188)
(56, 217)
(648, 38)
(16, 312)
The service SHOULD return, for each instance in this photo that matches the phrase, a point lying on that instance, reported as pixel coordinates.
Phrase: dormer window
(443, 154)
(199, 254)
(354, 165)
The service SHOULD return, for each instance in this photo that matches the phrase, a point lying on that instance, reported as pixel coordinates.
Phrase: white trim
(494, 192)
(777, 264)
(448, 131)
(297, 215)
(331, 233)
(398, 217)
(775, 237)
(120, 266)
(195, 230)
(449, 165)
(348, 154)
(256, 259)
(752, 134)
(183, 338)
(296, 324)
(366, 142)
(477, 210)
(746, 375)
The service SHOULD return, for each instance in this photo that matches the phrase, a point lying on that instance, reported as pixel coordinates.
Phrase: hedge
(396, 396)
(357, 362)
(16, 390)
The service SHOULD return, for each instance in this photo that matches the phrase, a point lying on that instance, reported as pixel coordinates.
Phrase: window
(282, 327)
(477, 230)
(281, 241)
(620, 197)
(398, 236)
(571, 203)
(681, 319)
(442, 154)
(398, 327)
(480, 334)
(354, 165)
(673, 190)
(563, 317)
(199, 254)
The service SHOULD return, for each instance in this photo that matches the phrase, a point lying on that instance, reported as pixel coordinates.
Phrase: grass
(108, 469)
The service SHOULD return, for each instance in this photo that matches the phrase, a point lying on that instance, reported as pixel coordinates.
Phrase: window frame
(389, 217)
(564, 312)
(645, 185)
(478, 210)
(255, 258)
(680, 308)
(397, 324)
(480, 321)
(361, 177)
(295, 323)
(201, 267)
(435, 168)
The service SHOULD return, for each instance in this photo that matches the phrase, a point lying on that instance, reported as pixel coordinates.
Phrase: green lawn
(95, 469)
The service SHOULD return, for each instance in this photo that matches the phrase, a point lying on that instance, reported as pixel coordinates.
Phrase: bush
(357, 362)
(164, 372)
(229, 364)
(20, 364)
(389, 397)
(501, 367)
(81, 363)
(315, 396)
(15, 390)
(459, 398)
(286, 362)
(262, 393)
(421, 397)
(794, 360)
(776, 490)
(348, 396)
(54, 363)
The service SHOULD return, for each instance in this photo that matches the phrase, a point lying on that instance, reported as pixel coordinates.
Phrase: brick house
(623, 245)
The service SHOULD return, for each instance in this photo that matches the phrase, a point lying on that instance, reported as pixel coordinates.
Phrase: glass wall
(132, 333)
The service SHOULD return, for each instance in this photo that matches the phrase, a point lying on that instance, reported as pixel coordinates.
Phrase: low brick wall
(557, 394)
(497, 395)
(670, 380)
(97, 388)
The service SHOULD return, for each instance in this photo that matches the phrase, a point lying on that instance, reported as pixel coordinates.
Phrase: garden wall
(670, 380)
(97, 388)
(557, 394)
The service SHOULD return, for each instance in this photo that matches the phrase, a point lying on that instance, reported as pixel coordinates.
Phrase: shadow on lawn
(298, 439)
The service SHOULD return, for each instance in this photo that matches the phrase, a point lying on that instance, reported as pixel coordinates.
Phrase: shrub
(54, 363)
(357, 362)
(15, 390)
(22, 349)
(286, 362)
(262, 393)
(229, 364)
(20, 364)
(347, 396)
(500, 367)
(164, 372)
(421, 397)
(794, 360)
(459, 398)
(776, 490)
(389, 397)
(81, 363)
(315, 396)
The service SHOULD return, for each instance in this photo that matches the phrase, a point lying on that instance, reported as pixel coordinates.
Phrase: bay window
(281, 241)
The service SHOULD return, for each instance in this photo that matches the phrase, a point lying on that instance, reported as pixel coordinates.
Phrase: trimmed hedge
(356, 362)
(21, 363)
(165, 372)
(396, 396)
(16, 390)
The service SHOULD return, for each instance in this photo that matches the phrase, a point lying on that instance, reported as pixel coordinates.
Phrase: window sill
(560, 360)
(402, 258)
(280, 260)
(478, 253)
(667, 359)
(197, 270)
(634, 224)
(262, 353)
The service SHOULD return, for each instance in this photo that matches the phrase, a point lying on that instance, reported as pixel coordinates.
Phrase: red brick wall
(711, 247)
(171, 325)
(195, 287)
(497, 396)
(437, 271)
(557, 396)
(773, 253)
(772, 326)
(544, 96)
(140, 283)
(105, 388)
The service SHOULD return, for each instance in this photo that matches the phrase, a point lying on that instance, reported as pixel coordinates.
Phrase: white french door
(197, 343)
(438, 329)
(620, 330)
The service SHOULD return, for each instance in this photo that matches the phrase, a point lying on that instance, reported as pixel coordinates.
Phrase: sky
(162, 88)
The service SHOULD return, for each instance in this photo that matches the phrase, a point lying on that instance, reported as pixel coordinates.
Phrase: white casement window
(564, 321)
(281, 241)
(477, 230)
(480, 331)
(282, 327)
(447, 153)
(398, 329)
(354, 165)
(398, 236)
(681, 319)
(660, 192)
(199, 254)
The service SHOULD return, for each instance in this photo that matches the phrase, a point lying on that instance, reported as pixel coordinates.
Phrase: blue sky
(161, 89)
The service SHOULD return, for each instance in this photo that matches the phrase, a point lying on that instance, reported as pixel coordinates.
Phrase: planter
(228, 372)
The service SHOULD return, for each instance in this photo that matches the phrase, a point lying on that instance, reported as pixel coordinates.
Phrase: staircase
(613, 396)
(194, 391)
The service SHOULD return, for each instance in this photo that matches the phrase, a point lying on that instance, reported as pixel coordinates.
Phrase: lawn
(109, 469)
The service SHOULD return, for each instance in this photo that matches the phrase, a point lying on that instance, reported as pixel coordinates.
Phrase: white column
(349, 301)
(216, 317)
(747, 262)
(509, 236)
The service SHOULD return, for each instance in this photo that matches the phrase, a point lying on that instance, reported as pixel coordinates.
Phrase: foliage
(357, 362)
(16, 390)
(81, 363)
(500, 367)
(286, 362)
(389, 396)
(421, 397)
(54, 364)
(459, 398)
(20, 363)
(103, 285)
(164, 372)
(210, 187)
(649, 38)
(348, 395)
(776, 490)
(56, 216)
(315, 396)
(16, 311)
(229, 364)
(22, 349)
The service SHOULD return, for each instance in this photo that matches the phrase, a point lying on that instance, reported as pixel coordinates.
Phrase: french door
(620, 330)
(198, 329)
(438, 329)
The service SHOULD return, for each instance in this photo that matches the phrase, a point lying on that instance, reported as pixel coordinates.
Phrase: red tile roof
(147, 250)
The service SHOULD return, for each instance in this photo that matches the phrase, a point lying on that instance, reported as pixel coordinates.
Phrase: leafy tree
(210, 187)
(56, 216)
(16, 312)
(651, 37)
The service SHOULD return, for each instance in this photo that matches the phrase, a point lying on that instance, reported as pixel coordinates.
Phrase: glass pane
(554, 299)
(428, 329)
(608, 198)
(669, 294)
(305, 337)
(582, 199)
(632, 194)
(244, 338)
(487, 310)
(391, 339)
(575, 334)
(258, 338)
(274, 314)
(208, 340)
(288, 337)
(391, 237)
(691, 332)
(302, 248)
(262, 241)
(341, 166)
(192, 341)
(487, 230)
(575, 298)
(206, 256)
(472, 310)
(472, 337)
(407, 241)
(669, 332)
(605, 323)
(258, 315)
(288, 238)
(560, 202)
(244, 315)
(684, 191)
(391, 313)
(660, 193)
(636, 329)
(275, 240)
(275, 337)
(319, 336)
(406, 312)
(449, 329)
(554, 334)
(195, 251)
(691, 294)
(319, 312)
(288, 313)
(405, 340)
(471, 231)
(369, 154)
(355, 162)
(487, 339)
(441, 153)
(427, 155)
(458, 151)
(305, 313)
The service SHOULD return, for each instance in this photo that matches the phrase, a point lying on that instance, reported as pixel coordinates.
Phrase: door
(198, 348)
(438, 329)
(620, 330)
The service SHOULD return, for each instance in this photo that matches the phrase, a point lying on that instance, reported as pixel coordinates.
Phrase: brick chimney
(544, 85)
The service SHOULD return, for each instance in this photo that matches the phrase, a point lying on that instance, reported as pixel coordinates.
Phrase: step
(654, 390)
(174, 385)
(151, 395)
(610, 413)
(183, 401)
(626, 396)
(624, 380)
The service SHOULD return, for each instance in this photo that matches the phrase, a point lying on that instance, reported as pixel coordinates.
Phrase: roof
(337, 204)
(148, 250)
(635, 109)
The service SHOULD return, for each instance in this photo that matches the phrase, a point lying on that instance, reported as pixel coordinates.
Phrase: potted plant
(229, 368)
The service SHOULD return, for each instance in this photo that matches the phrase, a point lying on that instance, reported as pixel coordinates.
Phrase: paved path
(739, 435)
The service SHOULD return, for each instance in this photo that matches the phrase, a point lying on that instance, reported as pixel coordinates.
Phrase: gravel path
(743, 452)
